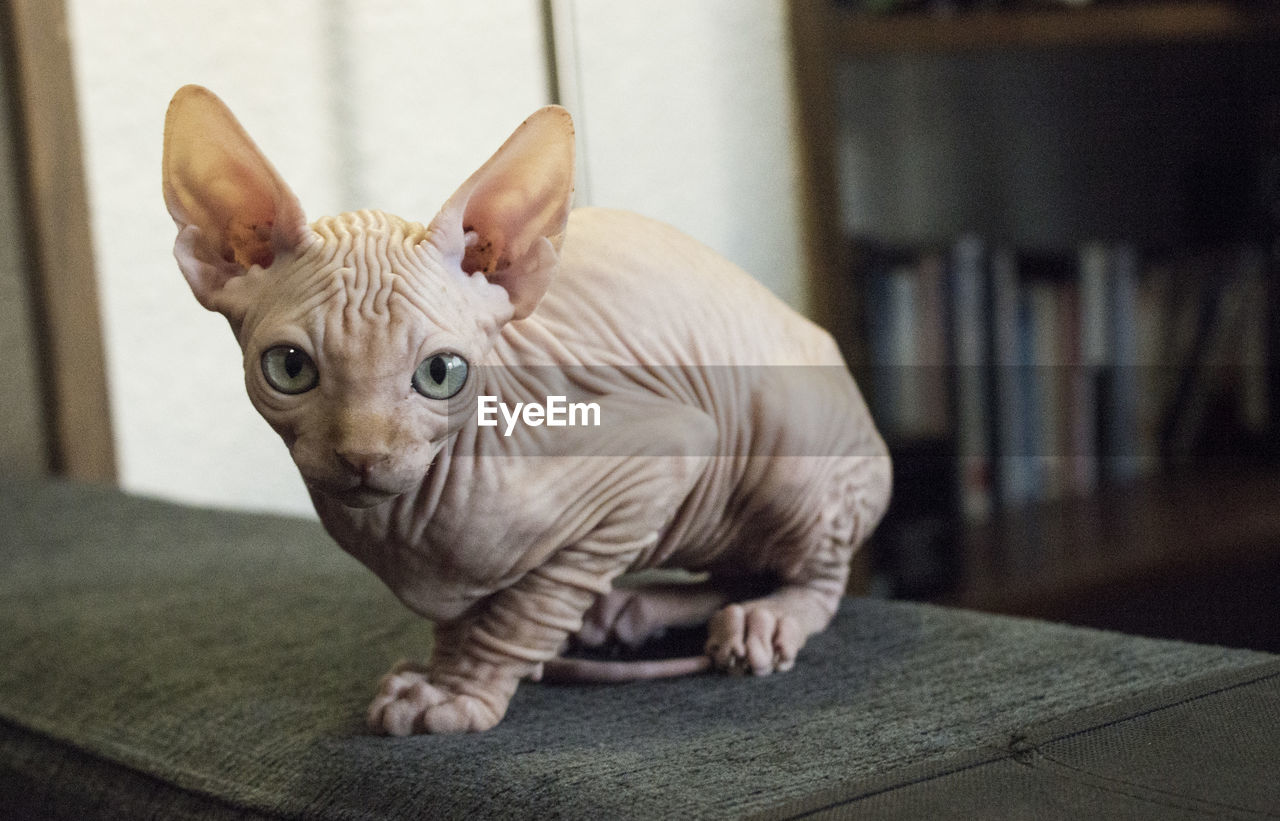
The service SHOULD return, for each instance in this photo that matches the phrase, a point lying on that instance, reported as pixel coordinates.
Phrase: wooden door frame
(832, 302)
(59, 243)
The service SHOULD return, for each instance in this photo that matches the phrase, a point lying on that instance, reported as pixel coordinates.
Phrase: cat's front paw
(407, 703)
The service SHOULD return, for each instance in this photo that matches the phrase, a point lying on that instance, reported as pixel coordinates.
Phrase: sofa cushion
(169, 661)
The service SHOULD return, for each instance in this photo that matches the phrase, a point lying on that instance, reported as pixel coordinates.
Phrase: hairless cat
(720, 432)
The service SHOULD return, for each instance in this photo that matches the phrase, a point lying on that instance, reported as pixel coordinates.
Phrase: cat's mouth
(364, 496)
(360, 495)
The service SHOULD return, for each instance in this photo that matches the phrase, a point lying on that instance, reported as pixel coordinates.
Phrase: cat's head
(359, 331)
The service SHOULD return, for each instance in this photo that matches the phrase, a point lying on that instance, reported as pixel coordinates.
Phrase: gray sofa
(161, 661)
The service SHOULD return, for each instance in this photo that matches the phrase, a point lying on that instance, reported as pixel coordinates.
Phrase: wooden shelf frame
(36, 45)
(1106, 24)
(1036, 561)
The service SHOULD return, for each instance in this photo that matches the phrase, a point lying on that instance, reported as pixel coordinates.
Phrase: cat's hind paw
(408, 703)
(629, 617)
(753, 638)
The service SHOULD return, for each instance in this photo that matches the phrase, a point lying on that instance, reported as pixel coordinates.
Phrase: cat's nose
(361, 463)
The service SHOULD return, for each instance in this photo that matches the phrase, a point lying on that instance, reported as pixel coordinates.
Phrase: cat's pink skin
(741, 447)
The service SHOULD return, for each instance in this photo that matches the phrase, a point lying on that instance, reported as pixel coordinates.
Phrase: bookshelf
(1119, 23)
(1189, 546)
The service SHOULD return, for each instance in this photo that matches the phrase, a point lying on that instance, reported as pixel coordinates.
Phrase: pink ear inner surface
(250, 243)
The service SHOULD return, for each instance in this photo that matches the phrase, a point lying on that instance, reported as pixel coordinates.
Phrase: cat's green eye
(289, 370)
(440, 375)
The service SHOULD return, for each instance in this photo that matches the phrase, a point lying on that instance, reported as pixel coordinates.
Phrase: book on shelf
(1227, 357)
(907, 335)
(970, 307)
(1007, 405)
(1119, 416)
(1053, 374)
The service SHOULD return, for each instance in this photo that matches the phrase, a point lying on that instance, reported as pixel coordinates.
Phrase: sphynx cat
(731, 440)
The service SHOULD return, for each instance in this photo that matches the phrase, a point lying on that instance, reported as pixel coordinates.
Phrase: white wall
(684, 109)
(686, 115)
(376, 103)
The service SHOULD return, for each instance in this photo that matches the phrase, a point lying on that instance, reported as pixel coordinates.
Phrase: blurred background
(1053, 253)
(1045, 235)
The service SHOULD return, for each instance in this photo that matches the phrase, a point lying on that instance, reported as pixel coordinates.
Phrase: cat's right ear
(232, 209)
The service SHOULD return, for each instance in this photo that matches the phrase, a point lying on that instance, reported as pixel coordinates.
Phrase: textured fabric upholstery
(170, 662)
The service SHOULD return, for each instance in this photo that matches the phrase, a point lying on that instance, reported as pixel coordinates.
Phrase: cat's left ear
(232, 209)
(507, 221)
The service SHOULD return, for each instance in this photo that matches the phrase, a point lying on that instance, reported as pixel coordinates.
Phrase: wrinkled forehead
(371, 313)
(367, 284)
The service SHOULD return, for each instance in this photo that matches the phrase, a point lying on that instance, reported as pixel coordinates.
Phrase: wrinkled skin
(733, 441)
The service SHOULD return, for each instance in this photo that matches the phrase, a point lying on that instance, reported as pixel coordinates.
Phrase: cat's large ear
(508, 220)
(232, 209)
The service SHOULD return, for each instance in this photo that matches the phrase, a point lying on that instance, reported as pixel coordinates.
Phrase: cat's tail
(593, 671)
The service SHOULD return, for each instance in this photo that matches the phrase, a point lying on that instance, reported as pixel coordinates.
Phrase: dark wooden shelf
(1041, 561)
(861, 35)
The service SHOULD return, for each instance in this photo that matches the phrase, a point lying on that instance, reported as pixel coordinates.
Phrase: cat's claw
(753, 638)
(407, 703)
